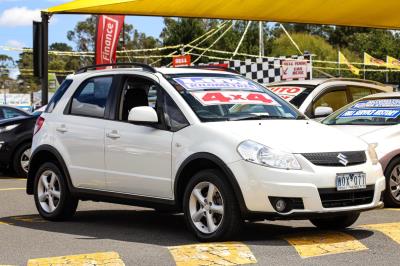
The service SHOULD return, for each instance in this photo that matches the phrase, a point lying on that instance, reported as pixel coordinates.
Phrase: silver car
(376, 120)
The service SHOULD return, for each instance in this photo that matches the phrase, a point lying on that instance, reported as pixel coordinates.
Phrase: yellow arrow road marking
(10, 189)
(314, 244)
(104, 258)
(392, 230)
(229, 253)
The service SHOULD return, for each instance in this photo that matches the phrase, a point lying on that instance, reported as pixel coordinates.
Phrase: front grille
(331, 198)
(347, 158)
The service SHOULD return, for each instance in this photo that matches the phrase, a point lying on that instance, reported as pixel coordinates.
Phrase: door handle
(62, 129)
(113, 135)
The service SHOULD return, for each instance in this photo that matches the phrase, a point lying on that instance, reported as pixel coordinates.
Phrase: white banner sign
(294, 69)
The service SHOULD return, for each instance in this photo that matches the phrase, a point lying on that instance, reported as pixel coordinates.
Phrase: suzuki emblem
(342, 159)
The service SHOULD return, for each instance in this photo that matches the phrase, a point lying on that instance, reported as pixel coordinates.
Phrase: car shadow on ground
(150, 227)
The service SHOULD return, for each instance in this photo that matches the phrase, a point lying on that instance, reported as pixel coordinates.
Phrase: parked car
(319, 98)
(15, 141)
(376, 119)
(173, 138)
(7, 112)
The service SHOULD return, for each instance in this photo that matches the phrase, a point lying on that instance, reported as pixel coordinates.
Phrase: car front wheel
(210, 207)
(392, 192)
(336, 222)
(52, 197)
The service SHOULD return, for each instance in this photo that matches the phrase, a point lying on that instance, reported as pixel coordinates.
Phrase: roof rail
(214, 67)
(355, 80)
(140, 65)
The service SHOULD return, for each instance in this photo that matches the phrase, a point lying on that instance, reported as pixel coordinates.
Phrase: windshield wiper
(259, 117)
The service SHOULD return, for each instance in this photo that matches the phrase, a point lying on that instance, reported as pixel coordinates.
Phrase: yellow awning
(364, 13)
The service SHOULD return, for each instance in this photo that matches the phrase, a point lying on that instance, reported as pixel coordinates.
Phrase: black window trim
(67, 110)
(116, 102)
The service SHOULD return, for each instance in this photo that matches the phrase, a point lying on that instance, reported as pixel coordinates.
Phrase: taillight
(38, 125)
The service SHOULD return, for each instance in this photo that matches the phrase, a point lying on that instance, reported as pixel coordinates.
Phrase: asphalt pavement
(108, 234)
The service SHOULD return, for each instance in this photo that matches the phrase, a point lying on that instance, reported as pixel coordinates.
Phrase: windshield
(219, 97)
(296, 95)
(367, 112)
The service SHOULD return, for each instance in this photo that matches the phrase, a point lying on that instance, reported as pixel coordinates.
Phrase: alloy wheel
(206, 207)
(24, 160)
(395, 182)
(49, 191)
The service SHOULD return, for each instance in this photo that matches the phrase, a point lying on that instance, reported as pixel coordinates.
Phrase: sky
(16, 18)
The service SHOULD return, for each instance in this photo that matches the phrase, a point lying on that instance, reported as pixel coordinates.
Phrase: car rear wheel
(392, 192)
(210, 207)
(21, 160)
(52, 197)
(336, 222)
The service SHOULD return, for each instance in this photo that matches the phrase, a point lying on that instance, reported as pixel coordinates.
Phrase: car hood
(15, 120)
(295, 136)
(370, 134)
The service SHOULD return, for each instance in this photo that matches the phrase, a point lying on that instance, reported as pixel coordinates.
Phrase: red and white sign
(233, 97)
(181, 60)
(287, 93)
(108, 31)
(294, 69)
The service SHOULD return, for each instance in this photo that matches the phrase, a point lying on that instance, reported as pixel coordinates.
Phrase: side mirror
(143, 115)
(322, 111)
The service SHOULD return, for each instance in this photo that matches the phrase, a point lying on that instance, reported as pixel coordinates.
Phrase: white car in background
(319, 98)
(376, 120)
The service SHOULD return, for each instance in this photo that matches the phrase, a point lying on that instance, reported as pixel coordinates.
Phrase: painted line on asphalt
(228, 253)
(12, 188)
(103, 258)
(391, 209)
(28, 219)
(313, 244)
(392, 230)
(4, 223)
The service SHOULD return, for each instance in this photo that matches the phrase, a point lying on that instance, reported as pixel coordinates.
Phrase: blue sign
(384, 108)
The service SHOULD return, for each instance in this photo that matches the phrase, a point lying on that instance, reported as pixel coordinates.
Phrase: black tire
(231, 222)
(389, 199)
(16, 161)
(336, 222)
(67, 204)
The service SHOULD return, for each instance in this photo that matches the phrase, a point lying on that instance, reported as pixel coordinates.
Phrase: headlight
(254, 152)
(372, 153)
(8, 128)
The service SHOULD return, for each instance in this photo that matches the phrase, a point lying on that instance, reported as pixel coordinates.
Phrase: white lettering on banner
(294, 69)
(233, 97)
(108, 43)
(287, 93)
(194, 83)
(384, 103)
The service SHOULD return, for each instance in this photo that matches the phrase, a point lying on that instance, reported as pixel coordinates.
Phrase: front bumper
(259, 183)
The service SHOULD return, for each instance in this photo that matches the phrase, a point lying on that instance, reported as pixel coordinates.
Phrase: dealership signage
(108, 31)
(181, 60)
(294, 69)
(287, 93)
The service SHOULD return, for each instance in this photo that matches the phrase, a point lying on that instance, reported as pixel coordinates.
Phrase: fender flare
(222, 166)
(60, 161)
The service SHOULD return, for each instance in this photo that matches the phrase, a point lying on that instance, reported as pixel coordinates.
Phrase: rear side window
(58, 95)
(91, 98)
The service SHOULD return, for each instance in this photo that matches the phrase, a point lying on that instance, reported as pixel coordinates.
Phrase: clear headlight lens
(8, 128)
(372, 153)
(254, 152)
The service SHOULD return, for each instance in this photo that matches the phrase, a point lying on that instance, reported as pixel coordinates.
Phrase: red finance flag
(108, 31)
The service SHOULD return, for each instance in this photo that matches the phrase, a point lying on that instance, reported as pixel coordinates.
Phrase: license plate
(351, 181)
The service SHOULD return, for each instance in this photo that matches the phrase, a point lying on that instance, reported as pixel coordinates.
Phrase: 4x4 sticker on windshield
(233, 97)
(287, 93)
(201, 83)
(385, 108)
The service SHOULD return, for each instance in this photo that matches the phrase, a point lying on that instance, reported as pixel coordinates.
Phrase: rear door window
(91, 98)
(360, 92)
